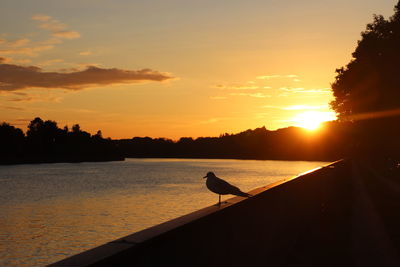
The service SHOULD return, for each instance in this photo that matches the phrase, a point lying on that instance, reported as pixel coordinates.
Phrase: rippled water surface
(51, 211)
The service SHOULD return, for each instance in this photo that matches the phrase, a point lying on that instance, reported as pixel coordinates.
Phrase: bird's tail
(243, 194)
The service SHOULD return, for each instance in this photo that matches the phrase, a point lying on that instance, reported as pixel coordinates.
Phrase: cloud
(303, 90)
(28, 51)
(211, 120)
(15, 77)
(305, 107)
(297, 107)
(85, 53)
(53, 25)
(50, 62)
(52, 41)
(268, 77)
(58, 29)
(21, 122)
(26, 47)
(218, 97)
(37, 99)
(19, 93)
(19, 61)
(41, 17)
(26, 99)
(15, 43)
(257, 95)
(5, 60)
(32, 96)
(67, 34)
(236, 87)
(11, 108)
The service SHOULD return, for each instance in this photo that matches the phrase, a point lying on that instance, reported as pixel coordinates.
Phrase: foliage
(367, 90)
(46, 142)
(371, 81)
(285, 144)
(11, 142)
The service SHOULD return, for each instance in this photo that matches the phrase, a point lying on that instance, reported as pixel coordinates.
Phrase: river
(52, 211)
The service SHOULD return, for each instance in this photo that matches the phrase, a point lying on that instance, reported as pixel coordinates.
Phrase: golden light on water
(312, 120)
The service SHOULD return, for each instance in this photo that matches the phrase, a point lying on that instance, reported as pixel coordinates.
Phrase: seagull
(221, 187)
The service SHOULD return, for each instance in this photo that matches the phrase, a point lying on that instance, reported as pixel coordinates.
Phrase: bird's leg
(219, 200)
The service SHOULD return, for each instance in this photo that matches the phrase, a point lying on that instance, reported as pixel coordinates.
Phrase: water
(51, 211)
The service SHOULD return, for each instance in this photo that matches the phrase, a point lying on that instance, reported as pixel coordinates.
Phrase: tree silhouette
(367, 90)
(46, 142)
(370, 82)
(11, 142)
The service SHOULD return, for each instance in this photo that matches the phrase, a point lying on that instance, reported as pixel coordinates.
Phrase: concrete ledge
(268, 225)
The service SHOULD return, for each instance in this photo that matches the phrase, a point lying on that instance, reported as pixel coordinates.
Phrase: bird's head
(209, 174)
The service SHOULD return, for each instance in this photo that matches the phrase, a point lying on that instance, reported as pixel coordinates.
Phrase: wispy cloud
(298, 107)
(211, 120)
(19, 42)
(14, 43)
(28, 51)
(37, 98)
(57, 28)
(41, 17)
(11, 108)
(15, 77)
(27, 47)
(269, 77)
(30, 96)
(303, 90)
(21, 122)
(67, 34)
(5, 60)
(257, 95)
(85, 53)
(218, 97)
(50, 62)
(305, 107)
(19, 93)
(237, 87)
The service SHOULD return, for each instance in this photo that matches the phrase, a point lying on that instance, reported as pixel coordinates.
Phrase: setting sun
(311, 120)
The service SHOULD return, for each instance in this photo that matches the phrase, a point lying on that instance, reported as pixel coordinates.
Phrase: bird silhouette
(221, 187)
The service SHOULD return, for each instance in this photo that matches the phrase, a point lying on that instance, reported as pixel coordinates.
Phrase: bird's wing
(224, 187)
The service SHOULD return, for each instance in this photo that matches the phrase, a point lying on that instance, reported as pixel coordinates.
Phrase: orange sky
(165, 68)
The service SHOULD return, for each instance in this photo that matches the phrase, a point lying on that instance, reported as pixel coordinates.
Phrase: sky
(175, 68)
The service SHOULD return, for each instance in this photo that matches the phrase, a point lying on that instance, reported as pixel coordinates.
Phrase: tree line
(292, 143)
(45, 142)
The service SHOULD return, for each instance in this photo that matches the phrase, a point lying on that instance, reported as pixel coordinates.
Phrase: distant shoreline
(32, 161)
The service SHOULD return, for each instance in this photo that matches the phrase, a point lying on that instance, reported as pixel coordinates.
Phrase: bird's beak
(205, 176)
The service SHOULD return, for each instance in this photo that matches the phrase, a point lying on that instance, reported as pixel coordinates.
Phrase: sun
(311, 120)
